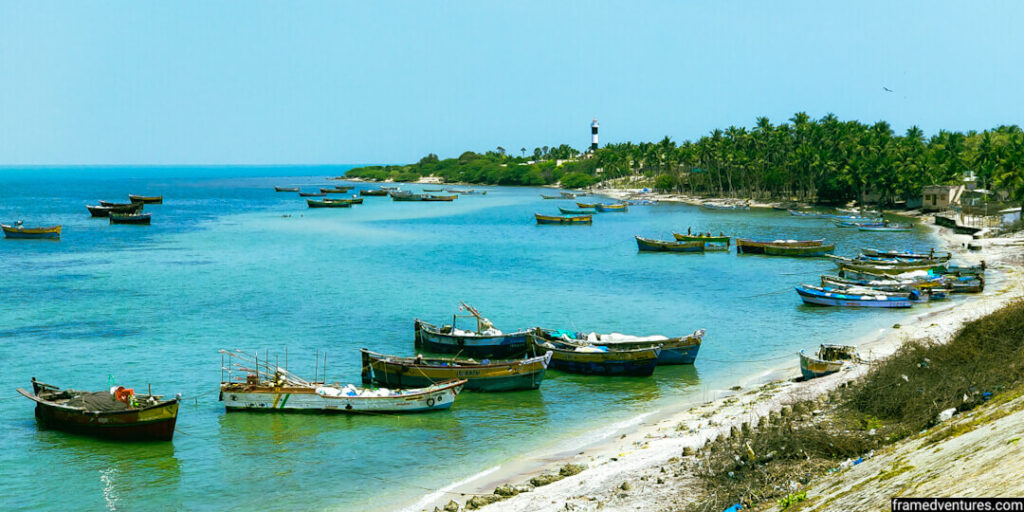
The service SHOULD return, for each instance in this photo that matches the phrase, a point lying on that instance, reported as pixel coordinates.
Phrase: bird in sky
(886, 89)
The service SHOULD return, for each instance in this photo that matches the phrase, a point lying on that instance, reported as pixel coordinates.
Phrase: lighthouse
(593, 135)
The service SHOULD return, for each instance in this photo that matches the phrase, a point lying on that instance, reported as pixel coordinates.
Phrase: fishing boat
(312, 194)
(706, 238)
(431, 197)
(105, 211)
(829, 359)
(590, 359)
(887, 227)
(433, 190)
(854, 224)
(130, 218)
(474, 192)
(887, 283)
(343, 188)
(485, 341)
(334, 190)
(568, 195)
(567, 219)
(268, 387)
(118, 413)
(18, 231)
(457, 191)
(571, 211)
(650, 244)
(286, 189)
(619, 207)
(485, 375)
(405, 196)
(148, 199)
(889, 267)
(903, 255)
(389, 187)
(818, 296)
(967, 284)
(748, 246)
(544, 196)
(677, 350)
(586, 205)
(373, 192)
(805, 252)
(313, 203)
(810, 215)
(965, 270)
(109, 203)
(349, 200)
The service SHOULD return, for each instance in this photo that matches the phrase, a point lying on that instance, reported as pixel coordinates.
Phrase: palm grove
(824, 160)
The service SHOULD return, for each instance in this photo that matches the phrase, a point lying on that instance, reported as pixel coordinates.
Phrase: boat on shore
(652, 245)
(886, 267)
(448, 198)
(313, 203)
(373, 192)
(567, 219)
(17, 231)
(618, 207)
(485, 375)
(827, 360)
(117, 414)
(286, 189)
(813, 251)
(105, 211)
(677, 350)
(146, 199)
(748, 246)
(485, 341)
(587, 359)
(818, 296)
(130, 218)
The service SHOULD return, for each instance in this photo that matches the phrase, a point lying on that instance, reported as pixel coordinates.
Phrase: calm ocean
(229, 263)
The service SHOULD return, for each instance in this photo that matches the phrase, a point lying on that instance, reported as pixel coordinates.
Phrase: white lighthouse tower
(593, 135)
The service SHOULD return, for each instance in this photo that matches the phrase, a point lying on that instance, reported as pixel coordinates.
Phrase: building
(937, 198)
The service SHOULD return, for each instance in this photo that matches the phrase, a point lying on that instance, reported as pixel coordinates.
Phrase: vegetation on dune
(825, 160)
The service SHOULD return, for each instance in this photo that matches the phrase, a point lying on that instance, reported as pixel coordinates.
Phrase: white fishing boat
(268, 387)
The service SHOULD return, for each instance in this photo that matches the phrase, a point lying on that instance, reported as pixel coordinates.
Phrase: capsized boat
(677, 350)
(818, 296)
(118, 413)
(650, 244)
(828, 359)
(483, 375)
(485, 341)
(19, 231)
(146, 199)
(587, 359)
(567, 219)
(748, 246)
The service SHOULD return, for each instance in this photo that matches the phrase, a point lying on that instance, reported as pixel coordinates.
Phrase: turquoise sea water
(229, 263)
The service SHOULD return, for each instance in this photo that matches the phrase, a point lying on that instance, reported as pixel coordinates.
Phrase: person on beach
(688, 228)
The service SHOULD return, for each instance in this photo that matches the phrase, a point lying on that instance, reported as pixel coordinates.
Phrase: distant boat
(810, 215)
(676, 350)
(545, 196)
(887, 227)
(372, 192)
(333, 190)
(472, 192)
(405, 372)
(350, 200)
(568, 219)
(570, 211)
(117, 414)
(818, 296)
(748, 246)
(829, 359)
(724, 206)
(343, 188)
(148, 199)
(589, 359)
(105, 211)
(17, 231)
(650, 244)
(484, 341)
(433, 189)
(431, 197)
(130, 218)
(286, 189)
(568, 195)
(620, 207)
(853, 224)
(586, 205)
(457, 190)
(405, 196)
(787, 250)
(710, 239)
(311, 194)
(313, 203)
(108, 203)
(907, 255)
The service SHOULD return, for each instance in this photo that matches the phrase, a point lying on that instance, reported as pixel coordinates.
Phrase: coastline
(637, 450)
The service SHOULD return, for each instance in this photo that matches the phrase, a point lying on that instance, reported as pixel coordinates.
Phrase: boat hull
(812, 368)
(631, 363)
(146, 199)
(815, 298)
(606, 208)
(428, 337)
(747, 246)
(373, 193)
(647, 244)
(51, 233)
(798, 252)
(706, 239)
(153, 423)
(553, 219)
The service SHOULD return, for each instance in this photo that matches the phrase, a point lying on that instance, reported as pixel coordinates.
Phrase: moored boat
(748, 246)
(586, 205)
(405, 196)
(567, 219)
(334, 190)
(118, 413)
(589, 359)
(109, 203)
(105, 211)
(313, 203)
(677, 350)
(818, 296)
(568, 195)
(485, 341)
(904, 255)
(827, 360)
(312, 194)
(571, 211)
(286, 189)
(349, 200)
(18, 231)
(508, 375)
(373, 192)
(130, 218)
(706, 238)
(433, 190)
(617, 207)
(798, 251)
(146, 199)
(432, 197)
(886, 227)
(545, 196)
(650, 244)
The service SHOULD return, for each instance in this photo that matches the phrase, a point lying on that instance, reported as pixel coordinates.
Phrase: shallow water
(229, 263)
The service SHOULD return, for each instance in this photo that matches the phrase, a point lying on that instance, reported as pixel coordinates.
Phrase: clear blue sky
(253, 82)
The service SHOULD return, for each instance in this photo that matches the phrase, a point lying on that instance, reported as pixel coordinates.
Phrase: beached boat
(313, 203)
(485, 341)
(105, 211)
(109, 203)
(965, 270)
(571, 211)
(372, 192)
(887, 283)
(724, 206)
(904, 255)
(567, 219)
(401, 372)
(677, 350)
(806, 252)
(19, 231)
(146, 199)
(886, 227)
(829, 359)
(706, 238)
(748, 246)
(590, 359)
(889, 268)
(650, 244)
(130, 218)
(271, 388)
(118, 413)
(431, 197)
(312, 194)
(818, 296)
(618, 207)
(286, 189)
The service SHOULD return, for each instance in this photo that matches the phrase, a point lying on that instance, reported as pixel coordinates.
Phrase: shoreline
(636, 448)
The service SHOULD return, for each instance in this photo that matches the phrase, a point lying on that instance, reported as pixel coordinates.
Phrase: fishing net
(101, 401)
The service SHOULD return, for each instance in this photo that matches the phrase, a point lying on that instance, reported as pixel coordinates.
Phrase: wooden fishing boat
(678, 350)
(431, 197)
(887, 283)
(312, 194)
(589, 359)
(863, 258)
(883, 268)
(105, 211)
(852, 224)
(402, 372)
(570, 211)
(485, 341)
(620, 207)
(372, 192)
(148, 199)
(810, 215)
(474, 192)
(334, 190)
(545, 196)
(804, 252)
(748, 246)
(820, 297)
(965, 270)
(567, 219)
(286, 189)
(457, 191)
(343, 188)
(586, 205)
(389, 187)
(568, 195)
(130, 218)
(887, 227)
(108, 203)
(434, 190)
(405, 196)
(17, 231)
(349, 200)
(313, 203)
(118, 414)
(650, 244)
(829, 359)
(702, 238)
(904, 255)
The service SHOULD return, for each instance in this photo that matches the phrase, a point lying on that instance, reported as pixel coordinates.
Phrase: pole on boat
(325, 367)
(316, 363)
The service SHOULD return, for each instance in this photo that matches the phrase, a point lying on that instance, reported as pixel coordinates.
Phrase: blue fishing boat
(828, 360)
(825, 297)
(485, 341)
(677, 350)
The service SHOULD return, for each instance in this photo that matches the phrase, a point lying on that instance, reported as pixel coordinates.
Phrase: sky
(275, 82)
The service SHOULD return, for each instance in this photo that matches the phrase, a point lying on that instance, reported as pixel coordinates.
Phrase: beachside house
(937, 198)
